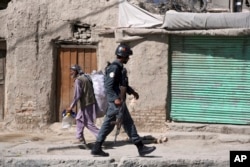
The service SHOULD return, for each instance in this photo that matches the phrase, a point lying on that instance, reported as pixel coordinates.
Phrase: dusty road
(180, 148)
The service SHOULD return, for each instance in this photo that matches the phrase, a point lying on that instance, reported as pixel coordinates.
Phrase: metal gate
(210, 79)
(68, 56)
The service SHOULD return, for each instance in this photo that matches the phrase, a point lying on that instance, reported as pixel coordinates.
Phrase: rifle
(116, 134)
(118, 122)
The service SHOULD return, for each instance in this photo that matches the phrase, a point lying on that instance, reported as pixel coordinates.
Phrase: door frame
(2, 82)
(89, 68)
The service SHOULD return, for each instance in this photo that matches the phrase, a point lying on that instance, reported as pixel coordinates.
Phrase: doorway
(2, 77)
(84, 56)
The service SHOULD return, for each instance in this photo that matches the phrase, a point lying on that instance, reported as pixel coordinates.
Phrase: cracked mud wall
(30, 28)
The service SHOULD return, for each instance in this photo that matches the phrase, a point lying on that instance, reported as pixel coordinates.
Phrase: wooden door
(86, 58)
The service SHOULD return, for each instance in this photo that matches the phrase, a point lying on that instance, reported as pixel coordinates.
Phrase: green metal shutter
(210, 79)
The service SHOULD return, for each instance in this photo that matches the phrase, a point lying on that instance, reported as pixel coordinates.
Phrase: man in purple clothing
(84, 93)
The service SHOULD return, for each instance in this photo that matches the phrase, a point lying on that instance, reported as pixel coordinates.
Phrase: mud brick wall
(145, 120)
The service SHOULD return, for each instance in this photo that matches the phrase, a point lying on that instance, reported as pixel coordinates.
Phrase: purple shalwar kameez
(87, 115)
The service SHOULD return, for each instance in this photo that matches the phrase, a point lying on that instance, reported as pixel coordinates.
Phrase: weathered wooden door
(86, 58)
(2, 81)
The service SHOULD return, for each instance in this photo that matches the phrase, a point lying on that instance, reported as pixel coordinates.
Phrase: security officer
(115, 78)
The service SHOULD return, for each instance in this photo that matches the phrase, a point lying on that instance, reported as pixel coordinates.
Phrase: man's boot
(97, 150)
(143, 150)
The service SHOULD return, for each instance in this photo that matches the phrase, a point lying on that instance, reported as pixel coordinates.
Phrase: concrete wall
(3, 26)
(148, 75)
(31, 28)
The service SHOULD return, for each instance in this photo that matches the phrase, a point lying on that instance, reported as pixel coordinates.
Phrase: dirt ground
(56, 141)
(55, 133)
(56, 136)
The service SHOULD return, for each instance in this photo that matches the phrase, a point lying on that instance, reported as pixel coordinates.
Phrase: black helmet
(77, 68)
(123, 50)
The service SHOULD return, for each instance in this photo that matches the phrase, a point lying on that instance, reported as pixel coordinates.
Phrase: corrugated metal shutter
(210, 79)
